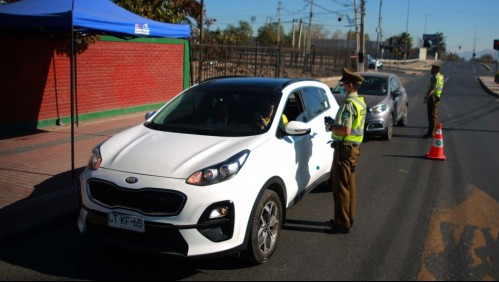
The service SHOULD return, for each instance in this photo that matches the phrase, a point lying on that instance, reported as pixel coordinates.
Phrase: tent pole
(190, 63)
(71, 56)
(75, 67)
(72, 78)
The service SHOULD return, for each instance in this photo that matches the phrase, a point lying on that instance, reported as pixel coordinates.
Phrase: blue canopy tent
(89, 16)
(85, 15)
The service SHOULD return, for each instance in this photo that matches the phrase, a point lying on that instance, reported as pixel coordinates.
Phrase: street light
(425, 19)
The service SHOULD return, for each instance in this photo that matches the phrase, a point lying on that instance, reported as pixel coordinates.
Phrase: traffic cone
(437, 149)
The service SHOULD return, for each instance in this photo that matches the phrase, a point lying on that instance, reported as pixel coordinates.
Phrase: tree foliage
(236, 35)
(169, 11)
(439, 42)
(267, 34)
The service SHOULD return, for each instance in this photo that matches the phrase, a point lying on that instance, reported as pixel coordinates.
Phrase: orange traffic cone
(437, 149)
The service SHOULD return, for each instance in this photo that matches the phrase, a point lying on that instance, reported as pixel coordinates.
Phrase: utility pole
(201, 22)
(201, 31)
(279, 23)
(362, 35)
(293, 37)
(357, 34)
(300, 33)
(309, 40)
(407, 31)
(378, 41)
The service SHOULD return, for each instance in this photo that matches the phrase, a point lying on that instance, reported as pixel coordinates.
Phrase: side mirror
(149, 115)
(397, 93)
(297, 128)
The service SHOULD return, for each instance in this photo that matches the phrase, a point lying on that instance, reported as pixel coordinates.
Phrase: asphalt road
(417, 219)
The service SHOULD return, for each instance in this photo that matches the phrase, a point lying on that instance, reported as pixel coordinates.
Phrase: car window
(394, 84)
(218, 112)
(373, 86)
(294, 109)
(316, 101)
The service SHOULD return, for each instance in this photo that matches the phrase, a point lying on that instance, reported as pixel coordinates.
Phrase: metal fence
(211, 60)
(215, 60)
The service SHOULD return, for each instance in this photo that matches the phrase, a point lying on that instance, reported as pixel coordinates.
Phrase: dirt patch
(462, 242)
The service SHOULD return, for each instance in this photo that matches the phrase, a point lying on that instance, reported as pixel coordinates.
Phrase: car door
(398, 102)
(318, 105)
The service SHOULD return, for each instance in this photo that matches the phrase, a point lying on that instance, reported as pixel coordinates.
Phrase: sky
(471, 24)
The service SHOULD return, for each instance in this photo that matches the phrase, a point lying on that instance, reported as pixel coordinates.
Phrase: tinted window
(316, 101)
(373, 86)
(394, 84)
(218, 112)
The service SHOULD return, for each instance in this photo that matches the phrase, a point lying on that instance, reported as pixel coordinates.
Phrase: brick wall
(35, 77)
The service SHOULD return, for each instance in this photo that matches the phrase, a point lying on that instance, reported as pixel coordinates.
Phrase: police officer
(432, 98)
(348, 133)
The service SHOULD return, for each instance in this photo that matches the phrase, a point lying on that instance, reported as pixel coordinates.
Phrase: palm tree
(405, 40)
(439, 42)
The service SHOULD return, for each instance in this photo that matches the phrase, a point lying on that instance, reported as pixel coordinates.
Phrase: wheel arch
(277, 185)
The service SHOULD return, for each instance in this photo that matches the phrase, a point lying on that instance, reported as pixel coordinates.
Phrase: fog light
(219, 212)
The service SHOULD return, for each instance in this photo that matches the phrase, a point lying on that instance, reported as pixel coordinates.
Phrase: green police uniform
(347, 152)
(432, 103)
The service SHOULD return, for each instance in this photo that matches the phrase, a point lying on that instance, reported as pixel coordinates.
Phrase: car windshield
(374, 86)
(216, 112)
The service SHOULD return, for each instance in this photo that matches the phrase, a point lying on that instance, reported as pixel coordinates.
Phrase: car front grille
(148, 201)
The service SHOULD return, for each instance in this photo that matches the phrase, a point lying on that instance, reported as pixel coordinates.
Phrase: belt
(351, 143)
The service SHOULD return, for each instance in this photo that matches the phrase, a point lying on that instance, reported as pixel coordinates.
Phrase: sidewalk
(35, 172)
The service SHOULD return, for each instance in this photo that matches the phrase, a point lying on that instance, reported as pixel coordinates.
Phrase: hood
(373, 100)
(370, 100)
(141, 150)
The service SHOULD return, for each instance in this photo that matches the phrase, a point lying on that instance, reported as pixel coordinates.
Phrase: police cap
(351, 77)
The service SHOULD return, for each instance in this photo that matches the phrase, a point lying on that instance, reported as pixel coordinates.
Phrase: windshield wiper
(156, 126)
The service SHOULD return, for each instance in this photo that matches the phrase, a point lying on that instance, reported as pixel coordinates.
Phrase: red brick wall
(35, 77)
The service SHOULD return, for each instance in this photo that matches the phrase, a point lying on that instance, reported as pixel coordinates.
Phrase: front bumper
(375, 125)
(190, 231)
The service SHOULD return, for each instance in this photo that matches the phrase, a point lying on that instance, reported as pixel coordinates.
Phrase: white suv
(372, 62)
(213, 171)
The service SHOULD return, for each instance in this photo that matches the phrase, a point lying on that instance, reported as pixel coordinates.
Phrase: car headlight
(95, 159)
(219, 172)
(378, 109)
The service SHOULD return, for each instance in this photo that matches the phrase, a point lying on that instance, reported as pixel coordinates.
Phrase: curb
(487, 88)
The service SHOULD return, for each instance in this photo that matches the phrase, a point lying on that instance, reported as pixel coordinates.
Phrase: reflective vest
(357, 131)
(440, 85)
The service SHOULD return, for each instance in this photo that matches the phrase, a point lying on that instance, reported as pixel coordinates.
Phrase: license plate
(128, 222)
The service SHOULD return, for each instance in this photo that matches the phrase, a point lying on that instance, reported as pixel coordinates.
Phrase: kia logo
(131, 180)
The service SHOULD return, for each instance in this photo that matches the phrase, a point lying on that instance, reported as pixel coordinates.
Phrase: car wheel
(389, 128)
(403, 120)
(265, 228)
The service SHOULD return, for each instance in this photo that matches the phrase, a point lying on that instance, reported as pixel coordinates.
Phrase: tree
(439, 42)
(337, 34)
(405, 41)
(170, 11)
(239, 35)
(267, 34)
(319, 32)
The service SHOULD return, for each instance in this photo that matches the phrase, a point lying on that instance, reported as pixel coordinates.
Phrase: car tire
(403, 120)
(264, 228)
(389, 129)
